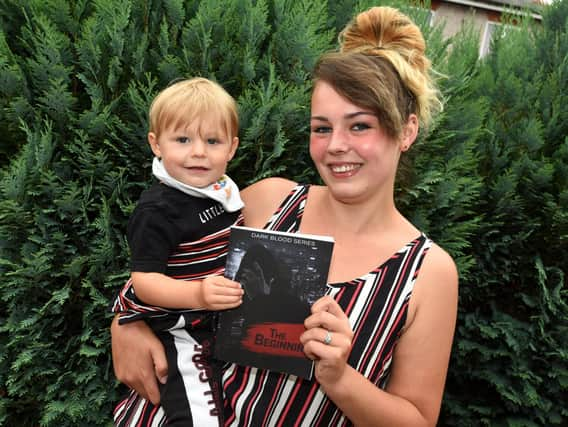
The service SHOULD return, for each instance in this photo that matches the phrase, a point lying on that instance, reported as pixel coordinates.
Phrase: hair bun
(388, 34)
(381, 29)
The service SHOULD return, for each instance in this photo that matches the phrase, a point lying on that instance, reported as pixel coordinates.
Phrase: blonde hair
(190, 99)
(381, 65)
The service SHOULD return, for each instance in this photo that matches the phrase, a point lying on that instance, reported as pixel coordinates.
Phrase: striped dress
(376, 305)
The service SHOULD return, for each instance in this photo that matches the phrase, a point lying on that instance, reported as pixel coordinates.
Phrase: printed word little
(210, 213)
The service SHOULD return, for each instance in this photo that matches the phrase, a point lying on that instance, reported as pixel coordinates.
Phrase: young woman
(381, 338)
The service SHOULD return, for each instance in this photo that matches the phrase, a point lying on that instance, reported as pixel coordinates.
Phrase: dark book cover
(282, 275)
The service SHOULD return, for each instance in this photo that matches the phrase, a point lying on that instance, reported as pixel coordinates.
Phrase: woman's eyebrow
(359, 113)
(347, 116)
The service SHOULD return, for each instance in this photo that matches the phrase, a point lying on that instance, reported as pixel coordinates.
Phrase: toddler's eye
(182, 139)
(212, 141)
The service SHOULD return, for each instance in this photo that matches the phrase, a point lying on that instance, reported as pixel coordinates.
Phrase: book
(282, 275)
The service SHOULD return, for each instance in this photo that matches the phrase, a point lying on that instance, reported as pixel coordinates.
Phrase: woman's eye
(321, 129)
(182, 139)
(360, 126)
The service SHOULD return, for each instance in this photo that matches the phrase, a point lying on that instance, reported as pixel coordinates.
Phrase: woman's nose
(338, 142)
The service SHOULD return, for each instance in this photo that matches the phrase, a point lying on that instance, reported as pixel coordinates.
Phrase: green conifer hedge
(489, 184)
(511, 350)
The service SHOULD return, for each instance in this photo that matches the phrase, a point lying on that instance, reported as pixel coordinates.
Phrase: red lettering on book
(278, 339)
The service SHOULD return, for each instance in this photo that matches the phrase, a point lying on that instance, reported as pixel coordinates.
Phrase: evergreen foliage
(511, 347)
(488, 183)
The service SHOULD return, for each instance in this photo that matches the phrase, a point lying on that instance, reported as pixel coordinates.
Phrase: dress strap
(288, 216)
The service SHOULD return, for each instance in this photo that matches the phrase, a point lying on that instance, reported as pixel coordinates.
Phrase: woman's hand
(138, 358)
(327, 340)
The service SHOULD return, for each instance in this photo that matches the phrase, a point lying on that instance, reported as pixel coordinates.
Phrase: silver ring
(327, 339)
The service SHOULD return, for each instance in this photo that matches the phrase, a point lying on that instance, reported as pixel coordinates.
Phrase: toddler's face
(197, 154)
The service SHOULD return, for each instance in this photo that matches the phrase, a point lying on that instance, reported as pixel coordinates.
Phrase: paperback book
(282, 275)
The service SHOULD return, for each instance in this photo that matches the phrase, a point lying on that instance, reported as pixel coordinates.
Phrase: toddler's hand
(220, 293)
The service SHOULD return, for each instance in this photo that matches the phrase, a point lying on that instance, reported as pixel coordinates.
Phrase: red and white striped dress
(376, 305)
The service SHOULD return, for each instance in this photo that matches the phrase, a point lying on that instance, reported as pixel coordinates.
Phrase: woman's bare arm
(414, 392)
(138, 358)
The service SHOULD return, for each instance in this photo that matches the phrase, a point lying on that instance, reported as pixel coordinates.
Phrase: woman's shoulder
(438, 278)
(262, 198)
(439, 266)
(441, 261)
(435, 294)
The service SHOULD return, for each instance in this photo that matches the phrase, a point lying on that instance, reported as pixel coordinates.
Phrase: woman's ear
(154, 144)
(409, 133)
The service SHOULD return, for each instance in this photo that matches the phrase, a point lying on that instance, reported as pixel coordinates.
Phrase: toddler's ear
(154, 144)
(234, 146)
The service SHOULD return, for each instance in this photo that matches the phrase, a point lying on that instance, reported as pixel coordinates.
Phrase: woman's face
(354, 156)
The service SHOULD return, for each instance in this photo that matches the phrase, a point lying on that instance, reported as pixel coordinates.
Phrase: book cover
(282, 275)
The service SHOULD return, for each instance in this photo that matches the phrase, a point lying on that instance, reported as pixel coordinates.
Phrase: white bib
(224, 190)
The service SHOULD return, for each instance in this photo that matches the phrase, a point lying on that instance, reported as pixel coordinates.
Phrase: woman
(381, 338)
